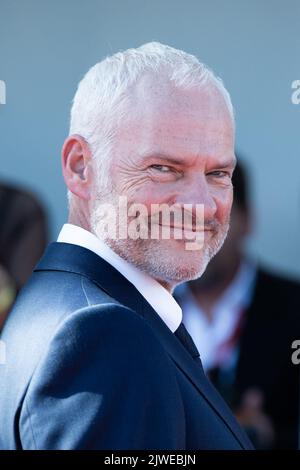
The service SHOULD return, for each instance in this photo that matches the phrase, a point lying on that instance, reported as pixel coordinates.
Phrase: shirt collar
(153, 292)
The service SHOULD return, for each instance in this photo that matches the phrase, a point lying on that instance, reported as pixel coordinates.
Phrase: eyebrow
(165, 157)
(230, 163)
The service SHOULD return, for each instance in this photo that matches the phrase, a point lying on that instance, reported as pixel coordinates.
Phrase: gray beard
(151, 257)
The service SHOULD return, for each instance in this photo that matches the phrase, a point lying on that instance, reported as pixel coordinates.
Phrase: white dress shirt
(153, 292)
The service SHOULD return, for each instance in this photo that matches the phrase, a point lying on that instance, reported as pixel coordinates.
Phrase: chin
(168, 261)
(189, 273)
(179, 267)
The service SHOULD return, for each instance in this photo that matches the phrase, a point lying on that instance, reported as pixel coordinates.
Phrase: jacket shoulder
(106, 360)
(42, 308)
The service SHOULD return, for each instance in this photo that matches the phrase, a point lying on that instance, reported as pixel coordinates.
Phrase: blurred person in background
(7, 294)
(23, 238)
(243, 319)
(154, 126)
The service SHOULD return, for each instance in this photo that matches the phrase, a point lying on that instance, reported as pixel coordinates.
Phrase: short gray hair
(98, 103)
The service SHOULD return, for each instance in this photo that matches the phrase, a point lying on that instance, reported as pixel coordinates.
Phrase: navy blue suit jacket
(90, 365)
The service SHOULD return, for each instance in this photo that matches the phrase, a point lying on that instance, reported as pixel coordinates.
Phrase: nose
(196, 192)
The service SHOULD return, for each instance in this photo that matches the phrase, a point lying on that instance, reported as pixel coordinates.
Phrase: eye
(220, 174)
(161, 168)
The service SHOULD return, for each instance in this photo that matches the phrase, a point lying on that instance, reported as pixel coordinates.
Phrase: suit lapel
(191, 368)
(75, 259)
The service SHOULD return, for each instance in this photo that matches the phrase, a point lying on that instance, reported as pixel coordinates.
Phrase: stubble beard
(164, 260)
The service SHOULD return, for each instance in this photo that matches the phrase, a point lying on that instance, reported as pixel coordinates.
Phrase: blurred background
(46, 47)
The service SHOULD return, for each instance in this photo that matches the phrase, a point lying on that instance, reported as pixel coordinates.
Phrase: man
(97, 357)
(244, 319)
(23, 238)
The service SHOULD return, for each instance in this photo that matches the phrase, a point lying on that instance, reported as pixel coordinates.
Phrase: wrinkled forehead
(161, 106)
(160, 95)
(160, 113)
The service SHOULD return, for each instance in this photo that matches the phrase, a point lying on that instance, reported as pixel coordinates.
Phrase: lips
(186, 228)
(182, 233)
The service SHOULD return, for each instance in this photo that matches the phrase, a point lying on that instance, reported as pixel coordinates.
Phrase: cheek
(151, 194)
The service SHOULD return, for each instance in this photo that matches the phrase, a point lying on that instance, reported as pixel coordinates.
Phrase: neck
(78, 217)
(167, 285)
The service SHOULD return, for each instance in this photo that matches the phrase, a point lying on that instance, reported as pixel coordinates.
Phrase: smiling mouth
(186, 229)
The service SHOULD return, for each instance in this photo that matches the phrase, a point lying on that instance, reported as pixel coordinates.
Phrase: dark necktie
(186, 339)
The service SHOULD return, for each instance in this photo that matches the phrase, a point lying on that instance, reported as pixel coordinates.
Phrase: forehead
(160, 115)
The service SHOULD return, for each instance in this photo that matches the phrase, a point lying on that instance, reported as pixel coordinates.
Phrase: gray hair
(98, 103)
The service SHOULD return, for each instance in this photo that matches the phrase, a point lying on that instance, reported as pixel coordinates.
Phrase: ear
(76, 159)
